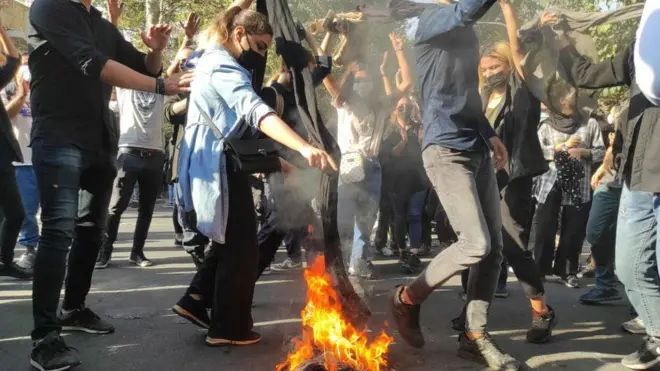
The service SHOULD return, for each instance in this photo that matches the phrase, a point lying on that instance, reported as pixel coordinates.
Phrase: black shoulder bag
(249, 154)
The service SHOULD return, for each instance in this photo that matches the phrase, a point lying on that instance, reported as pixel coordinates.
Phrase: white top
(355, 135)
(22, 124)
(647, 52)
(141, 118)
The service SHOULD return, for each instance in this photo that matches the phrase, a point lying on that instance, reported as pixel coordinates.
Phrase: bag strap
(209, 121)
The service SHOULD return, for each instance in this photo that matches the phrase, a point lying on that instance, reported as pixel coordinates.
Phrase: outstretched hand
(397, 41)
(318, 158)
(191, 26)
(157, 37)
(115, 9)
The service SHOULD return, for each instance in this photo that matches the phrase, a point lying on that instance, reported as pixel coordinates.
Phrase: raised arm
(512, 27)
(67, 33)
(243, 4)
(383, 73)
(8, 71)
(612, 72)
(442, 18)
(406, 76)
(16, 103)
(329, 82)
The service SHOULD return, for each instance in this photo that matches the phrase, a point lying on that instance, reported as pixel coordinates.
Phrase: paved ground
(150, 337)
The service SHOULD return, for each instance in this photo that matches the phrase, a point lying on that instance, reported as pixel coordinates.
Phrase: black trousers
(73, 215)
(385, 218)
(517, 211)
(276, 228)
(145, 170)
(12, 214)
(573, 229)
(227, 277)
(178, 229)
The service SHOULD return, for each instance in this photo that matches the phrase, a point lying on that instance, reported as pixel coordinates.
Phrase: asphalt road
(149, 337)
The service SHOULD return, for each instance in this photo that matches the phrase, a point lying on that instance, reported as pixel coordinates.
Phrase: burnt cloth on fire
(287, 45)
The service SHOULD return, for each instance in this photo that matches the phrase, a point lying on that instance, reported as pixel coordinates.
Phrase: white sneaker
(267, 271)
(386, 252)
(288, 265)
(26, 260)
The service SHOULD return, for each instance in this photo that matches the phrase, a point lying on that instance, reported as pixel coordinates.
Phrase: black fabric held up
(287, 43)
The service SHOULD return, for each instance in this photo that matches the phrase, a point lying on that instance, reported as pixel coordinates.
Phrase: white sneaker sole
(36, 365)
(87, 330)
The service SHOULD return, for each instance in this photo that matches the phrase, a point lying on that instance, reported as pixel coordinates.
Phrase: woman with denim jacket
(211, 185)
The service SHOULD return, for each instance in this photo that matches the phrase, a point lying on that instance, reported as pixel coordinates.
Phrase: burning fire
(339, 343)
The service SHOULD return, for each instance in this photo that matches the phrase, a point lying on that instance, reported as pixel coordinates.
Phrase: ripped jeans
(75, 188)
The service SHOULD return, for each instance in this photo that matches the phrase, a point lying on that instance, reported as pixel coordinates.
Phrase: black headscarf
(563, 124)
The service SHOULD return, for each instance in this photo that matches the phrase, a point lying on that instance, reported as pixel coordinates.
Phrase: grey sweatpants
(466, 185)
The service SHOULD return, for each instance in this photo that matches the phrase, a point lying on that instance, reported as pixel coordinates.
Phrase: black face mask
(497, 80)
(253, 62)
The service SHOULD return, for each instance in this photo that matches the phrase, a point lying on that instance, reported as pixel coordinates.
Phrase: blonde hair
(500, 51)
(225, 22)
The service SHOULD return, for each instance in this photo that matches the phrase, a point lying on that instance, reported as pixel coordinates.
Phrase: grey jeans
(466, 185)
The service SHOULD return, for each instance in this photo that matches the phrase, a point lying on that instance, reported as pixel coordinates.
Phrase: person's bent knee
(476, 250)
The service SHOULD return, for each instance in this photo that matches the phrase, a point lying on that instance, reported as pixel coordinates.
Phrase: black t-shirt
(405, 173)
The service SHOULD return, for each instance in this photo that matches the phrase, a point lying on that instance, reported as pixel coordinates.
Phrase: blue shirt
(447, 64)
(222, 90)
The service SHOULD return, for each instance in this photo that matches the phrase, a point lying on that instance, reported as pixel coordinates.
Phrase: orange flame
(339, 341)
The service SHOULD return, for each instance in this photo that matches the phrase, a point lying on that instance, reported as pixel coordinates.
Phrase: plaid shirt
(549, 138)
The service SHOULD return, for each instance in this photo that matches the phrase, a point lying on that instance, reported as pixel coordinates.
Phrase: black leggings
(227, 277)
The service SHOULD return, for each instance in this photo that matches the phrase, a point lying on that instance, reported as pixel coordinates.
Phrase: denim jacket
(223, 90)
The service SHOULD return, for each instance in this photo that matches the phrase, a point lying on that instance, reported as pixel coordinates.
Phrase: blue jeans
(27, 186)
(415, 210)
(170, 193)
(601, 233)
(637, 254)
(75, 188)
(356, 213)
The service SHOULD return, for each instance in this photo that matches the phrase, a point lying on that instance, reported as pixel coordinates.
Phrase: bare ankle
(405, 297)
(195, 297)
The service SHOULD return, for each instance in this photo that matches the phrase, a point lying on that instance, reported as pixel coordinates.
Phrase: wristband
(160, 86)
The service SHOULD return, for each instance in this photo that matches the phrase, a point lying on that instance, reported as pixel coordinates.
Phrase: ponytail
(225, 22)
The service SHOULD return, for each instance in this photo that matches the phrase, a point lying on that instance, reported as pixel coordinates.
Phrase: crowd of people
(458, 141)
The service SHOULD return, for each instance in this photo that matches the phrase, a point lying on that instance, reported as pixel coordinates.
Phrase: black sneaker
(406, 318)
(52, 354)
(542, 325)
(248, 339)
(646, 357)
(86, 321)
(13, 270)
(192, 310)
(485, 351)
(458, 324)
(501, 291)
(424, 250)
(571, 281)
(102, 262)
(410, 263)
(140, 260)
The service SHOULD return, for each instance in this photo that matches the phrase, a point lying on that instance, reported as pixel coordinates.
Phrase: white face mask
(25, 72)
(544, 116)
(114, 106)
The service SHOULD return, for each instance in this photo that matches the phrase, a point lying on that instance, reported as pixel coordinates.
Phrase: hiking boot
(288, 265)
(84, 320)
(250, 338)
(542, 325)
(635, 326)
(138, 259)
(600, 295)
(15, 271)
(406, 318)
(52, 354)
(646, 357)
(485, 351)
(193, 311)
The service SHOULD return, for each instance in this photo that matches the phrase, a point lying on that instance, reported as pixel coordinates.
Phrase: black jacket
(637, 142)
(517, 126)
(12, 149)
